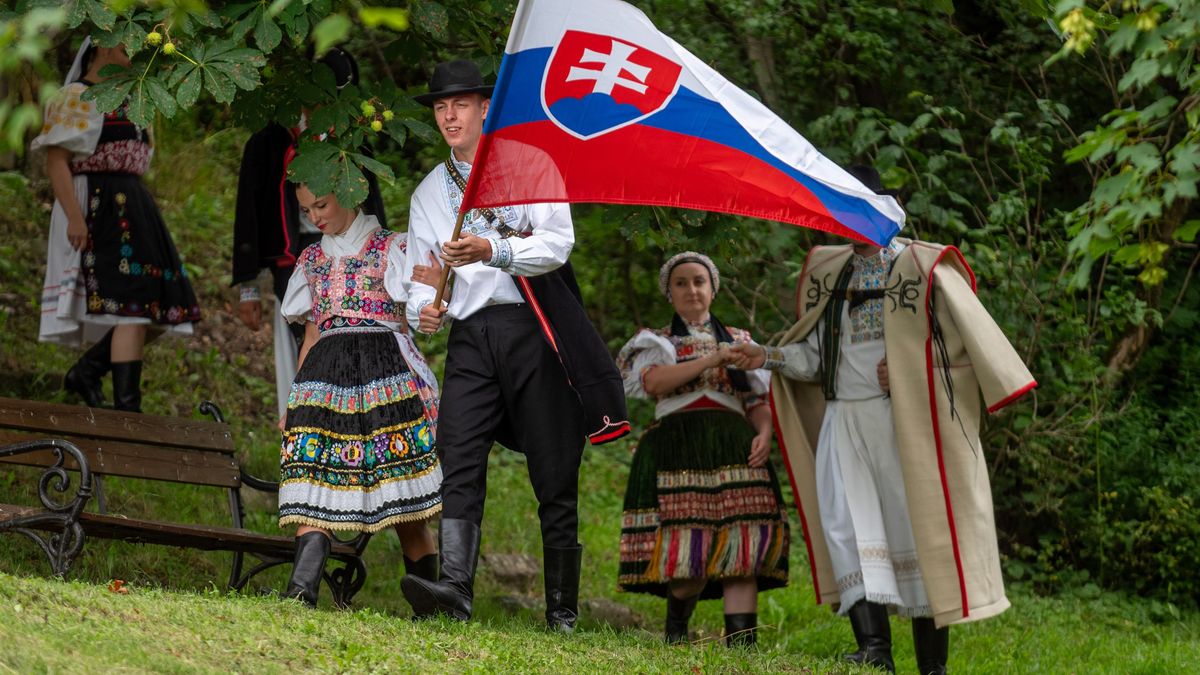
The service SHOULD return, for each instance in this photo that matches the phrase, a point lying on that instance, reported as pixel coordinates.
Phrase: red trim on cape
(1013, 396)
(795, 496)
(601, 437)
(287, 259)
(933, 412)
(537, 311)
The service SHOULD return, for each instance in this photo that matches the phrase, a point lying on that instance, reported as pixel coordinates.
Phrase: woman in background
(703, 512)
(113, 275)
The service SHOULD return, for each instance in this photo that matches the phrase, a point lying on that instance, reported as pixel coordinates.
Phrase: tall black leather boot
(127, 386)
(562, 567)
(425, 567)
(312, 548)
(84, 378)
(453, 592)
(932, 645)
(741, 630)
(679, 613)
(869, 620)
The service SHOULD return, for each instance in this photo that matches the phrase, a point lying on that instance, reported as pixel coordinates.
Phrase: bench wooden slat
(201, 537)
(132, 460)
(74, 420)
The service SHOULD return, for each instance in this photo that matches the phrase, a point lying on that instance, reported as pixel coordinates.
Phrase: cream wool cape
(945, 472)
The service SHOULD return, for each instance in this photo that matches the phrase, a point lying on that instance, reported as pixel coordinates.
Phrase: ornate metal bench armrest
(62, 518)
(56, 477)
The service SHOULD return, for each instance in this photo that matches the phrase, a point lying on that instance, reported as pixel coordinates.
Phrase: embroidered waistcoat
(352, 286)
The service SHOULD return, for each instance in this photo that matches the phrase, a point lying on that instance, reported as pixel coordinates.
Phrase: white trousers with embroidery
(864, 512)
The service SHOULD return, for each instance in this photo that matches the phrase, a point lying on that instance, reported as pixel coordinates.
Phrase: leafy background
(1056, 144)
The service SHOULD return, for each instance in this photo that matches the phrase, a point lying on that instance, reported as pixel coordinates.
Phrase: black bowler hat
(453, 78)
(868, 176)
(343, 65)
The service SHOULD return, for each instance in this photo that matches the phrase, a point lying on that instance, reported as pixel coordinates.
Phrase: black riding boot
(869, 620)
(932, 645)
(84, 378)
(127, 386)
(425, 567)
(679, 613)
(741, 630)
(453, 592)
(561, 576)
(312, 548)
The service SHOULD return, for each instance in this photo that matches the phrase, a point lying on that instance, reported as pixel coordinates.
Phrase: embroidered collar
(872, 271)
(474, 223)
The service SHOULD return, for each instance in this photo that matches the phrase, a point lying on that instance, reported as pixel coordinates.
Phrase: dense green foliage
(1056, 145)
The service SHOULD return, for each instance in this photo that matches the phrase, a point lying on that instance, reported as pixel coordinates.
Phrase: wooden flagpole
(446, 268)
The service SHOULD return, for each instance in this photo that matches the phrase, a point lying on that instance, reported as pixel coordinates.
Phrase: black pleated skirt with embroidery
(358, 450)
(695, 510)
(130, 267)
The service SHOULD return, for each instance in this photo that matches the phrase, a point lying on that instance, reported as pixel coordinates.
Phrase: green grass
(176, 620)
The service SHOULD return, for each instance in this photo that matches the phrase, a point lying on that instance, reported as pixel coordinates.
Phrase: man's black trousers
(503, 380)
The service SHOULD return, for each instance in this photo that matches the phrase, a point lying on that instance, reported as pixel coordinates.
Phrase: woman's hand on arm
(760, 447)
(62, 182)
(661, 380)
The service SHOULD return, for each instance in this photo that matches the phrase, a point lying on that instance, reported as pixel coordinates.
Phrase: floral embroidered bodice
(352, 286)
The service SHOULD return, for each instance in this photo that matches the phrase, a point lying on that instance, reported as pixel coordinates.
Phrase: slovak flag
(594, 104)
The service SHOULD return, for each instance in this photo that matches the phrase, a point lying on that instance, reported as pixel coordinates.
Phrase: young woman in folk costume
(358, 436)
(112, 273)
(703, 514)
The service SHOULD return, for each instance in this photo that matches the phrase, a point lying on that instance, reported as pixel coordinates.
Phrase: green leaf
(1144, 156)
(394, 18)
(219, 85)
(1141, 73)
(241, 73)
(267, 34)
(951, 136)
(1187, 231)
(242, 27)
(332, 30)
(161, 96)
(431, 18)
(188, 90)
(110, 93)
(349, 183)
(141, 108)
(314, 165)
(421, 130)
(1185, 157)
(381, 170)
(398, 132)
(1109, 190)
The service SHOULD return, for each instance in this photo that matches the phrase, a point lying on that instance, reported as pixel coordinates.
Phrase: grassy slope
(174, 620)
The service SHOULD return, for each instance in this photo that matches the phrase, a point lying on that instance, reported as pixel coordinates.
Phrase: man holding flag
(524, 365)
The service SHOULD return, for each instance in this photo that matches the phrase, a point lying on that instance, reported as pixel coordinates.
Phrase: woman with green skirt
(703, 514)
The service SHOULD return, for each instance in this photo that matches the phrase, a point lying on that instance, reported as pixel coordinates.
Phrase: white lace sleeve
(393, 278)
(797, 361)
(644, 351)
(297, 300)
(71, 123)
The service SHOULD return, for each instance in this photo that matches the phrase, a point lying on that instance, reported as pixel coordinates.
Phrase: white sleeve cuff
(502, 254)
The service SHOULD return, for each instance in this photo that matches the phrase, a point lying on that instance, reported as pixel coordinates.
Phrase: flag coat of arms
(594, 104)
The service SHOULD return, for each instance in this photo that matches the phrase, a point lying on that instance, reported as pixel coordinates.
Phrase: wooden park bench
(84, 444)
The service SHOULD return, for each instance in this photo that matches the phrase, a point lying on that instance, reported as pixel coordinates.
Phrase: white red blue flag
(594, 104)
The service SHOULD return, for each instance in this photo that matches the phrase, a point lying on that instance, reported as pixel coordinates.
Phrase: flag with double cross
(595, 104)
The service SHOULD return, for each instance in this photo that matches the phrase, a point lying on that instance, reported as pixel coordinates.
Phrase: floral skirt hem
(371, 528)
